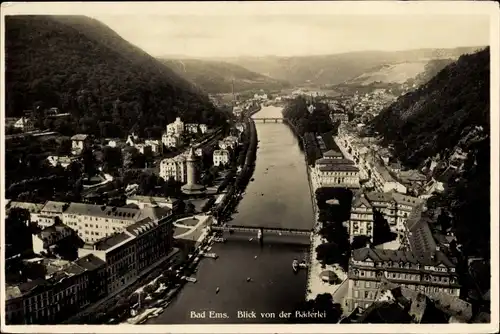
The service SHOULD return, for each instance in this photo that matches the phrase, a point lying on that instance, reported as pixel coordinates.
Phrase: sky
(222, 36)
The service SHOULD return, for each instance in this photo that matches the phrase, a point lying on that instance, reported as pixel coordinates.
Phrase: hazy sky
(289, 35)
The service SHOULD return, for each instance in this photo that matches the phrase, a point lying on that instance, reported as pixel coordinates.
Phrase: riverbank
(315, 283)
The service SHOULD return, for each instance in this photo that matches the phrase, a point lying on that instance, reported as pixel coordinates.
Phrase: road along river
(250, 277)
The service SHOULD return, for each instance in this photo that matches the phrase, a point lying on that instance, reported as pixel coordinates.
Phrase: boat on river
(295, 266)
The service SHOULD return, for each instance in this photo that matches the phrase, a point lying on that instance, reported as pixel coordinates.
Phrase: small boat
(217, 290)
(295, 266)
(248, 279)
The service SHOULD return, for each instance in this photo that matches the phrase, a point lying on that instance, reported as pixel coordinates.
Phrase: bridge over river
(279, 201)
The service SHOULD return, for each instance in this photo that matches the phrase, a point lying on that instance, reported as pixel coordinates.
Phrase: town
(155, 190)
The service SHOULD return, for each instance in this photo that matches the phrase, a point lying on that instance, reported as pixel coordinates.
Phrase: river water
(279, 196)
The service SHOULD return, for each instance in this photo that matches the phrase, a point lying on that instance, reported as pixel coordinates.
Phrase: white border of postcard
(487, 8)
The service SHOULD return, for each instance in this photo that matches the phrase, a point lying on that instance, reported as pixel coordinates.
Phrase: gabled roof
(31, 207)
(375, 196)
(90, 262)
(324, 161)
(54, 207)
(103, 211)
(360, 200)
(383, 255)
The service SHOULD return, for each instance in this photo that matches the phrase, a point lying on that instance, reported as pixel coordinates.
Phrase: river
(279, 196)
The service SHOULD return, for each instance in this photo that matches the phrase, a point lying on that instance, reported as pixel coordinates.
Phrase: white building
(79, 142)
(191, 127)
(174, 168)
(50, 236)
(156, 146)
(203, 128)
(63, 161)
(170, 140)
(94, 222)
(361, 219)
(221, 157)
(50, 211)
(176, 128)
(132, 140)
(25, 124)
(153, 201)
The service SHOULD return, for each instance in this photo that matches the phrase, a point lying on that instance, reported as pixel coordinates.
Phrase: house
(170, 140)
(175, 128)
(175, 168)
(50, 212)
(191, 127)
(25, 124)
(132, 140)
(203, 128)
(361, 218)
(221, 157)
(63, 161)
(44, 241)
(155, 145)
(79, 142)
(332, 154)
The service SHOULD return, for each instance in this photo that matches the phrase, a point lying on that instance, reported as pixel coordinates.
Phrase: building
(192, 174)
(383, 180)
(221, 157)
(203, 128)
(237, 111)
(384, 204)
(143, 148)
(63, 161)
(171, 140)
(44, 241)
(151, 201)
(79, 142)
(332, 154)
(94, 222)
(25, 124)
(174, 168)
(229, 142)
(156, 146)
(50, 212)
(175, 128)
(337, 116)
(367, 267)
(59, 295)
(404, 206)
(191, 127)
(131, 251)
(361, 219)
(132, 140)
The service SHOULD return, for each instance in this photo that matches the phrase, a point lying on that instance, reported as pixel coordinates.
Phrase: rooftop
(79, 137)
(107, 243)
(324, 161)
(375, 196)
(385, 255)
(54, 207)
(332, 153)
(103, 211)
(343, 168)
(142, 226)
(90, 262)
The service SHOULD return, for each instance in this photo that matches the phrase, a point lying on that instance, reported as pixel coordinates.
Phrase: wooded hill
(449, 114)
(109, 86)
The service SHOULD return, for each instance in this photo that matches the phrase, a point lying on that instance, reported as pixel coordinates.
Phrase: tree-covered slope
(218, 76)
(450, 114)
(83, 67)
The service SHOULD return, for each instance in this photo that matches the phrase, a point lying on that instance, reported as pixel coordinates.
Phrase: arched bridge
(268, 119)
(265, 230)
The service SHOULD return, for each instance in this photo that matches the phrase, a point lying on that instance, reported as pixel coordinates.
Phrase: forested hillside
(83, 67)
(217, 76)
(450, 114)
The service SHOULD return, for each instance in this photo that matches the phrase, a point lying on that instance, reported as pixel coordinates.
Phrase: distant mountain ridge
(218, 76)
(337, 68)
(83, 67)
(417, 72)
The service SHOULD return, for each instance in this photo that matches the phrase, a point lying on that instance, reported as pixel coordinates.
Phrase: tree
(17, 233)
(112, 158)
(89, 163)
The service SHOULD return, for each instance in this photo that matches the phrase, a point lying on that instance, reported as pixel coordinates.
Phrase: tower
(191, 167)
(192, 186)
